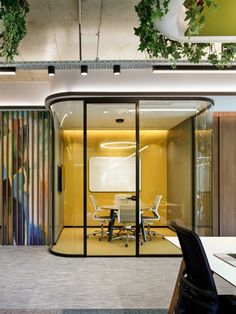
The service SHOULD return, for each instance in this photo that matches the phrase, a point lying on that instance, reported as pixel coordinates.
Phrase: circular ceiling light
(118, 145)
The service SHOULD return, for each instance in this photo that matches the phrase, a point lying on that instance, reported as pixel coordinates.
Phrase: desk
(113, 209)
(214, 245)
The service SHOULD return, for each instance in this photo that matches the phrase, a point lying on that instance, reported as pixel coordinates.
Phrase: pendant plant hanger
(13, 26)
(160, 47)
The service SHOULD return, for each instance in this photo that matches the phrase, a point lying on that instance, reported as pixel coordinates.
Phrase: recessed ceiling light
(105, 111)
(7, 70)
(116, 69)
(51, 70)
(84, 70)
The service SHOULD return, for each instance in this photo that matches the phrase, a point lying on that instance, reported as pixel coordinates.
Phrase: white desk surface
(115, 207)
(214, 245)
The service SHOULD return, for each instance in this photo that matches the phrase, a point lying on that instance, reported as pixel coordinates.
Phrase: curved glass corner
(68, 146)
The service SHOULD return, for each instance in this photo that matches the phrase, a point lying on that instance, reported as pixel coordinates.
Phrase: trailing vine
(159, 46)
(13, 15)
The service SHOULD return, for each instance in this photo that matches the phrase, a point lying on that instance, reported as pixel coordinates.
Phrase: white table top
(213, 245)
(115, 207)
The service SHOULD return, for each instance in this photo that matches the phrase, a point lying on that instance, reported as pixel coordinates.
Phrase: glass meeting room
(124, 170)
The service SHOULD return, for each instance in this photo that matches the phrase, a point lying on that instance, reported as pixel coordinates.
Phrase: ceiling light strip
(165, 109)
(192, 69)
(7, 70)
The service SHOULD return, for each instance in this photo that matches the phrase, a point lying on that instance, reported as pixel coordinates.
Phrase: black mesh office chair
(198, 294)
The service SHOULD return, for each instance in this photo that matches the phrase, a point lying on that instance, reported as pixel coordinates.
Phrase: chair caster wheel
(94, 235)
(141, 243)
(126, 245)
(100, 239)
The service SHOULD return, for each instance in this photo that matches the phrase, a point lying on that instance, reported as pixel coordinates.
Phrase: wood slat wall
(24, 171)
(215, 175)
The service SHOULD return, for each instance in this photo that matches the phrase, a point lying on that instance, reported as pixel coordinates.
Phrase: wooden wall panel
(227, 188)
(24, 185)
(179, 178)
(216, 230)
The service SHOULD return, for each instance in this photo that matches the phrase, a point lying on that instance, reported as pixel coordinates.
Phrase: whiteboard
(113, 174)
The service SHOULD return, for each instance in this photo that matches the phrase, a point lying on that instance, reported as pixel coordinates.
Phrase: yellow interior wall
(153, 163)
(221, 22)
(73, 177)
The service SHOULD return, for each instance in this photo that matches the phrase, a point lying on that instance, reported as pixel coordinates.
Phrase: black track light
(116, 69)
(51, 70)
(84, 70)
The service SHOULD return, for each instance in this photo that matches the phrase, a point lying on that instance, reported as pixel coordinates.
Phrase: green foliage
(159, 46)
(13, 15)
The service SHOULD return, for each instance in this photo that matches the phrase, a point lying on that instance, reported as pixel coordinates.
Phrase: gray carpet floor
(34, 281)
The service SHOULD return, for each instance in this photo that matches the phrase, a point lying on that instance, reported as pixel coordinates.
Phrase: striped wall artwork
(24, 171)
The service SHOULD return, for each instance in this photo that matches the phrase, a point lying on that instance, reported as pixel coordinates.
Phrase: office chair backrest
(121, 197)
(127, 213)
(197, 267)
(156, 203)
(93, 202)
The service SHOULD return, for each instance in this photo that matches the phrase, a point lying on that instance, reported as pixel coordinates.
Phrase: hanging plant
(159, 46)
(13, 19)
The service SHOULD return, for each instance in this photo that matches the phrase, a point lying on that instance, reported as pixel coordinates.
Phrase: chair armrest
(147, 209)
(155, 213)
(101, 209)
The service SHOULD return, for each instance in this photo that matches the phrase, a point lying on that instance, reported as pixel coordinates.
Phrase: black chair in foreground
(198, 294)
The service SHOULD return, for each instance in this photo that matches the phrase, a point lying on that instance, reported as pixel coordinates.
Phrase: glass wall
(203, 220)
(166, 151)
(123, 171)
(111, 177)
(68, 212)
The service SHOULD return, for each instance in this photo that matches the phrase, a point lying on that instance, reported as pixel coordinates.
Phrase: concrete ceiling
(54, 34)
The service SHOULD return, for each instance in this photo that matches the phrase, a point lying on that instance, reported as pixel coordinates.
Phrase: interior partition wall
(139, 147)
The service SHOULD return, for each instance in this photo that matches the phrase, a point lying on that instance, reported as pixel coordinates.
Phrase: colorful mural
(24, 171)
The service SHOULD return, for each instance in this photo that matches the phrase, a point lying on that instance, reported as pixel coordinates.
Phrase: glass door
(111, 179)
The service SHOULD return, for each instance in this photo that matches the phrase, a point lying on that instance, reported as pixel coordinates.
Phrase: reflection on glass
(111, 177)
(166, 153)
(68, 178)
(203, 169)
